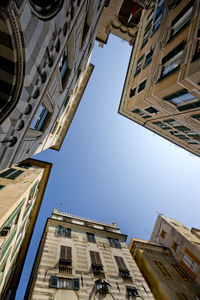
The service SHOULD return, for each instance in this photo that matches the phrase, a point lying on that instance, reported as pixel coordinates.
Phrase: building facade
(21, 193)
(121, 18)
(45, 51)
(184, 244)
(82, 259)
(164, 276)
(162, 86)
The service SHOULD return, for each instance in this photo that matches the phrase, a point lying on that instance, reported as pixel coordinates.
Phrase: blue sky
(112, 169)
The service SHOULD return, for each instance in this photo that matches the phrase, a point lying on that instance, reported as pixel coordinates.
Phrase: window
(182, 19)
(40, 119)
(139, 65)
(179, 271)
(123, 271)
(162, 269)
(97, 266)
(63, 68)
(131, 291)
(64, 231)
(147, 29)
(142, 86)
(174, 246)
(114, 243)
(172, 122)
(162, 125)
(24, 165)
(190, 263)
(11, 173)
(2, 186)
(172, 61)
(179, 97)
(86, 25)
(65, 256)
(197, 117)
(148, 58)
(90, 237)
(64, 283)
(141, 113)
(132, 92)
(183, 100)
(151, 110)
(163, 234)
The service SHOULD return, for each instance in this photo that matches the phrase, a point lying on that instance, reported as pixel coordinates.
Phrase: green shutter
(8, 243)
(75, 284)
(53, 281)
(59, 229)
(15, 174)
(15, 213)
(6, 173)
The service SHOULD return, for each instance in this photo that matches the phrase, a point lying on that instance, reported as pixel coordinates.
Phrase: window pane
(39, 118)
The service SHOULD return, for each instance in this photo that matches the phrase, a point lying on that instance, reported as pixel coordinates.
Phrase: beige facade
(184, 244)
(161, 90)
(115, 20)
(21, 192)
(47, 48)
(80, 258)
(164, 276)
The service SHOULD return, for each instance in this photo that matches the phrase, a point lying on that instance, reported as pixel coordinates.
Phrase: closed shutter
(69, 254)
(75, 284)
(95, 258)
(120, 263)
(62, 253)
(54, 281)
(15, 174)
(65, 255)
(11, 173)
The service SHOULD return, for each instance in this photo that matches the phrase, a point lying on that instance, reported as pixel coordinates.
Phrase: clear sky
(112, 169)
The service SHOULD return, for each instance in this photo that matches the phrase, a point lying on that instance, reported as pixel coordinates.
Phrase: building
(121, 18)
(80, 258)
(184, 244)
(21, 191)
(45, 52)
(166, 279)
(162, 86)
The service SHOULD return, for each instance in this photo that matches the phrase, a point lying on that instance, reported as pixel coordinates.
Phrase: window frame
(91, 237)
(114, 242)
(41, 120)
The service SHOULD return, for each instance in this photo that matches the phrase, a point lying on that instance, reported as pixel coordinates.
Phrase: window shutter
(95, 258)
(63, 253)
(92, 256)
(53, 281)
(120, 263)
(75, 284)
(59, 230)
(15, 174)
(69, 253)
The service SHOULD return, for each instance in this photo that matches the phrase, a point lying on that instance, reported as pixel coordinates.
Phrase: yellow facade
(161, 90)
(22, 189)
